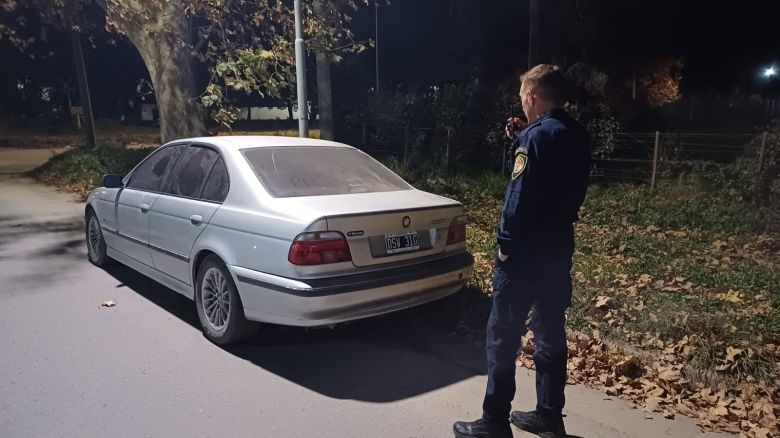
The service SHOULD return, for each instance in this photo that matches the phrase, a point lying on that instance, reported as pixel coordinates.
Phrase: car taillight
(319, 249)
(457, 233)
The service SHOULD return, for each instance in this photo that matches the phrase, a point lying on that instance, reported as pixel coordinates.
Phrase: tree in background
(659, 81)
(247, 47)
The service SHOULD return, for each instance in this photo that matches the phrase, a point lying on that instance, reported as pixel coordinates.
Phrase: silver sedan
(280, 230)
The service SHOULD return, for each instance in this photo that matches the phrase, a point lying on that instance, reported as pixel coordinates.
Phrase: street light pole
(300, 72)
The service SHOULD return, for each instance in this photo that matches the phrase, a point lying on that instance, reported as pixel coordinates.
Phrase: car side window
(217, 184)
(151, 173)
(188, 178)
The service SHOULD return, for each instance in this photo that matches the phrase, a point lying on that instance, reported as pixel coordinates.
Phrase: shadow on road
(65, 234)
(380, 360)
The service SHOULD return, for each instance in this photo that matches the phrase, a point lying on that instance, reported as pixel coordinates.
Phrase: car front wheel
(96, 244)
(220, 310)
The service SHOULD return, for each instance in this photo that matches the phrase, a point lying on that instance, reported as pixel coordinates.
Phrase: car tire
(219, 306)
(96, 244)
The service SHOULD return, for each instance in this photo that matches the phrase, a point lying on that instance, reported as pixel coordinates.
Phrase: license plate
(395, 243)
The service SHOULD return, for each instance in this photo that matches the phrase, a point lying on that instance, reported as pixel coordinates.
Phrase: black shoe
(482, 429)
(545, 426)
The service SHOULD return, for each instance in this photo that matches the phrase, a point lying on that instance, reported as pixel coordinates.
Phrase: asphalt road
(71, 368)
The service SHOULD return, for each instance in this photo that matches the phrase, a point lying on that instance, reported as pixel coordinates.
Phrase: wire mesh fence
(635, 157)
(648, 156)
(442, 148)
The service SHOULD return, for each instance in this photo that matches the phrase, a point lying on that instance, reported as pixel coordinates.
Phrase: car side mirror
(112, 182)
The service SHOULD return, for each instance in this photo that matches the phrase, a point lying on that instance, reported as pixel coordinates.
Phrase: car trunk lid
(386, 227)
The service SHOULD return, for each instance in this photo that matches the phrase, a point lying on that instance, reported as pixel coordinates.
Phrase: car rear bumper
(325, 301)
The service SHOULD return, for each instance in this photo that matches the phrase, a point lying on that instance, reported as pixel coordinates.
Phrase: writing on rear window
(291, 171)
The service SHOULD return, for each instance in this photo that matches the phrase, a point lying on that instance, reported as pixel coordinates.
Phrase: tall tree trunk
(557, 32)
(163, 43)
(633, 80)
(81, 77)
(324, 84)
(547, 33)
(535, 43)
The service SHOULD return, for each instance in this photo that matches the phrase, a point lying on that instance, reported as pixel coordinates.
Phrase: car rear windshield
(291, 171)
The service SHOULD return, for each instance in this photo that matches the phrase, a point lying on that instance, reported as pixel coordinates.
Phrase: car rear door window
(217, 184)
(289, 171)
(188, 178)
(152, 172)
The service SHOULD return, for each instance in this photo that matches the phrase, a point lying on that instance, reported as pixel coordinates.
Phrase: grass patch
(681, 263)
(81, 170)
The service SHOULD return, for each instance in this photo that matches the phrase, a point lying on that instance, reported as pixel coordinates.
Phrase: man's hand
(501, 256)
(513, 127)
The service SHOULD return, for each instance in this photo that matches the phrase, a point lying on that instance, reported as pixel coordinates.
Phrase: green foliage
(469, 115)
(768, 177)
(247, 45)
(601, 125)
(678, 206)
(81, 170)
(474, 114)
(660, 81)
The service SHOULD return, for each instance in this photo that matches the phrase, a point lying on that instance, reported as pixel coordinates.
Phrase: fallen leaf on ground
(602, 302)
(732, 354)
(109, 303)
(731, 296)
(720, 411)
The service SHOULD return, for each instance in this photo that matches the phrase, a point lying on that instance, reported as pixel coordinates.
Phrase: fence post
(406, 145)
(761, 152)
(655, 159)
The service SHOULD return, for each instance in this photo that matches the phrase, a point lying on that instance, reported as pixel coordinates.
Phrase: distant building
(149, 112)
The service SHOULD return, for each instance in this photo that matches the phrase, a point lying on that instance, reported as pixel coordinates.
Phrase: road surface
(71, 368)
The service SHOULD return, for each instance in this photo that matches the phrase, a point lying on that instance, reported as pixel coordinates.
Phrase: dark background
(724, 48)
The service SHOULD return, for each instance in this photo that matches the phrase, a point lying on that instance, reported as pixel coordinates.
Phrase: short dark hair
(548, 81)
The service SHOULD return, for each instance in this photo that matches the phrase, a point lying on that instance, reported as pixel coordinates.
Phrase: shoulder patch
(521, 150)
(521, 160)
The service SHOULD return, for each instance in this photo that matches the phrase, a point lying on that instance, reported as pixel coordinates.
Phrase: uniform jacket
(549, 180)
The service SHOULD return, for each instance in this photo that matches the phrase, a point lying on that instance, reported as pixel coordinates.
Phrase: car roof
(254, 141)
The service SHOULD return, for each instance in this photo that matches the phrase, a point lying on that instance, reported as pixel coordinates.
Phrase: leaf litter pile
(680, 320)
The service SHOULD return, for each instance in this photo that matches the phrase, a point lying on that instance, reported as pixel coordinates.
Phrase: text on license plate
(395, 243)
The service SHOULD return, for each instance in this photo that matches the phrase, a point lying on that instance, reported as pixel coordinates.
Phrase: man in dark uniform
(534, 260)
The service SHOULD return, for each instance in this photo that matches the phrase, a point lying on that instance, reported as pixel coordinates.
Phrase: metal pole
(655, 159)
(376, 43)
(300, 72)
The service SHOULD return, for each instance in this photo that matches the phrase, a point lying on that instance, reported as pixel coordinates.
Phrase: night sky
(722, 43)
(423, 42)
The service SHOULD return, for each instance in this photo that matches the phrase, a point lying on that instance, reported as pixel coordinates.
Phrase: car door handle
(144, 208)
(196, 219)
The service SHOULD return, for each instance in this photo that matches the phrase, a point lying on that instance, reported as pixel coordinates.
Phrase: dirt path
(21, 160)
